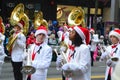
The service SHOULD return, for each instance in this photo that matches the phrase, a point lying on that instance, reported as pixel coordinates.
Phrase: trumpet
(28, 68)
(68, 73)
(103, 49)
(63, 56)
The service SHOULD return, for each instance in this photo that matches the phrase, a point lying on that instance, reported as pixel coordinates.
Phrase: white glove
(62, 48)
(67, 70)
(59, 61)
(103, 56)
(24, 56)
(110, 63)
(59, 33)
(66, 67)
(74, 67)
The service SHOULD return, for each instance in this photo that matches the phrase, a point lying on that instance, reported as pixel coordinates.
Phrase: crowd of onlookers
(53, 28)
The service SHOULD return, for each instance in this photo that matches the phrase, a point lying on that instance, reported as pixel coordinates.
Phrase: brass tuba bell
(76, 16)
(59, 13)
(18, 15)
(39, 20)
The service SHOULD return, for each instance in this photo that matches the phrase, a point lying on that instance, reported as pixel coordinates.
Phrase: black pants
(29, 77)
(63, 77)
(92, 59)
(17, 70)
(109, 77)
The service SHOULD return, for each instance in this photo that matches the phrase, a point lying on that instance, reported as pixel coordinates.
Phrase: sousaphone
(39, 20)
(17, 15)
(76, 16)
(59, 13)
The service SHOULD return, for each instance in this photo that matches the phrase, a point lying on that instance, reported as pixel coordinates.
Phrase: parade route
(97, 72)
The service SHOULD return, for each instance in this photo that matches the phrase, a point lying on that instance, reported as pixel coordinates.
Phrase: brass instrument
(68, 73)
(16, 16)
(28, 68)
(63, 48)
(25, 18)
(63, 44)
(0, 41)
(59, 13)
(63, 56)
(39, 20)
(76, 16)
(10, 43)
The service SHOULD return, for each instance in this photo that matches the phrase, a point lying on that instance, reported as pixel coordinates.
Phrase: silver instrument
(28, 68)
(68, 73)
(64, 60)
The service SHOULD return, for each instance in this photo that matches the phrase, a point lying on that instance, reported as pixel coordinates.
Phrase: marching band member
(64, 37)
(17, 50)
(31, 39)
(2, 30)
(41, 55)
(78, 66)
(112, 51)
(93, 44)
(2, 38)
(64, 41)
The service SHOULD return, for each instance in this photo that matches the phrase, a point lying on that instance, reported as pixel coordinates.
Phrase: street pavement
(98, 71)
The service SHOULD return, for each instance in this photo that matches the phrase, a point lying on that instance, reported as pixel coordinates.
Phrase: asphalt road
(97, 72)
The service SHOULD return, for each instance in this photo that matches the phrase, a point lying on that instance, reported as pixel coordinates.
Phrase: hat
(92, 30)
(70, 28)
(83, 33)
(54, 22)
(21, 24)
(101, 37)
(66, 27)
(115, 33)
(41, 29)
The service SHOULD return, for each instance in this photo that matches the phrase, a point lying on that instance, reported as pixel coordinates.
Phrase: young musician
(64, 41)
(2, 38)
(78, 66)
(41, 55)
(17, 50)
(112, 53)
(93, 44)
